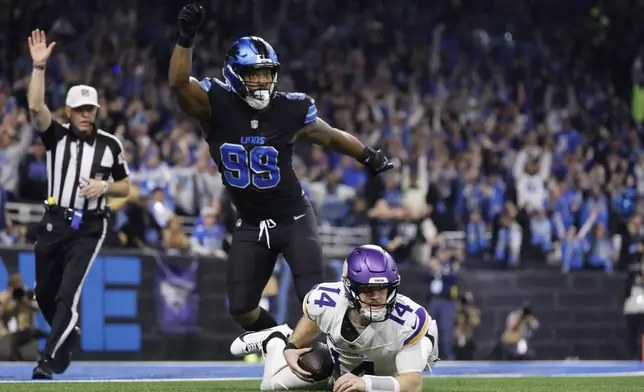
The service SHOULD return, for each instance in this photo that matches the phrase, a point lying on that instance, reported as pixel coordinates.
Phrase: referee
(81, 161)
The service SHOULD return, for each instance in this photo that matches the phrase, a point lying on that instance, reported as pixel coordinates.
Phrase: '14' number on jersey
(400, 309)
(325, 299)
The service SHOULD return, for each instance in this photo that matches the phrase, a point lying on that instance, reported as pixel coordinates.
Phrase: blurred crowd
(516, 124)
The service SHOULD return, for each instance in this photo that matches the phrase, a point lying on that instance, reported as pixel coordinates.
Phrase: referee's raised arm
(40, 52)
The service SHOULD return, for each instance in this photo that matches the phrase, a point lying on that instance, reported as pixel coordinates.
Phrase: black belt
(68, 213)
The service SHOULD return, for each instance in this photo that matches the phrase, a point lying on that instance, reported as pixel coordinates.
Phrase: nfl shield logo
(85, 92)
(98, 176)
(254, 124)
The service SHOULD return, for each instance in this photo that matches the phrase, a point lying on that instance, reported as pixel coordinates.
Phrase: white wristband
(367, 384)
(381, 384)
(106, 187)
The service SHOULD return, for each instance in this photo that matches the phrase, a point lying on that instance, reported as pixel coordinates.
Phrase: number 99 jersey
(253, 149)
(397, 345)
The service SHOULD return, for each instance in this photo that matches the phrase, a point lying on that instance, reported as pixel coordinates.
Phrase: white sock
(274, 361)
(265, 304)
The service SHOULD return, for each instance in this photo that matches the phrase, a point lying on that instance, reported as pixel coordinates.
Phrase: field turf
(436, 384)
(563, 376)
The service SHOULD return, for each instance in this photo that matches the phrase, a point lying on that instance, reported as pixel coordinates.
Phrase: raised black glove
(375, 161)
(190, 19)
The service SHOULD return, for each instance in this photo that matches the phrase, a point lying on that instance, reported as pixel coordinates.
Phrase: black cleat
(64, 355)
(43, 370)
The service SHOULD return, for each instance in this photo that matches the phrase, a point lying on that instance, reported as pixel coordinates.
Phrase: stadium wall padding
(140, 307)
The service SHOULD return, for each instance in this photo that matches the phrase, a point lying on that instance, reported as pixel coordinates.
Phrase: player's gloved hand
(349, 382)
(292, 355)
(190, 19)
(375, 161)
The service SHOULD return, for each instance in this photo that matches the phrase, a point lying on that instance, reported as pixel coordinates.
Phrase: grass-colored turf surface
(436, 384)
(541, 376)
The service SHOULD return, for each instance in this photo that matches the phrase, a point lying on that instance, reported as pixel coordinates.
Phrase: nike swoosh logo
(241, 337)
(299, 216)
(415, 324)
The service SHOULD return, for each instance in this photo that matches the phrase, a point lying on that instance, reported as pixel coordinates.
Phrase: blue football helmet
(370, 266)
(246, 55)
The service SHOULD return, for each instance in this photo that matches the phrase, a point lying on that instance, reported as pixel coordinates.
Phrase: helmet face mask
(247, 59)
(260, 84)
(370, 270)
(371, 312)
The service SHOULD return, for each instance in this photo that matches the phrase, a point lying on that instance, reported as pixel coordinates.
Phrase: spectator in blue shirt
(471, 197)
(568, 139)
(493, 191)
(565, 203)
(443, 291)
(597, 202)
(477, 241)
(442, 197)
(208, 236)
(33, 174)
(352, 173)
(601, 254)
(6, 238)
(575, 246)
(540, 235)
(508, 237)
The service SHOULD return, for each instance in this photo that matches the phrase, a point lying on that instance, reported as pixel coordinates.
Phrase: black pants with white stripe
(64, 256)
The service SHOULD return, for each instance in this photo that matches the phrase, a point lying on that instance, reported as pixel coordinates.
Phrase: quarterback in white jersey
(379, 340)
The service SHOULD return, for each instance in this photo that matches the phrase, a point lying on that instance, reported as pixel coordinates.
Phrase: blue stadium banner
(109, 303)
(136, 306)
(173, 308)
(110, 293)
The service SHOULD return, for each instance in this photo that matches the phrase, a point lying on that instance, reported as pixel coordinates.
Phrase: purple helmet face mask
(370, 266)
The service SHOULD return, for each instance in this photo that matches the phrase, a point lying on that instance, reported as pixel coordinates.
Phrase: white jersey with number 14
(386, 348)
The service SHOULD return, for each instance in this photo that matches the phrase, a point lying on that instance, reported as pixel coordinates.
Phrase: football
(318, 362)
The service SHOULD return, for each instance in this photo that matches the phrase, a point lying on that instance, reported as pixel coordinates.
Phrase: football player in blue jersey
(250, 128)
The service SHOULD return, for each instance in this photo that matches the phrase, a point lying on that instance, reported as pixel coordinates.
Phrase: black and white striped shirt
(99, 156)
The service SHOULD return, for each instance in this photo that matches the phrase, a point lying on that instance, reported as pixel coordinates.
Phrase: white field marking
(130, 381)
(527, 364)
(530, 375)
(156, 380)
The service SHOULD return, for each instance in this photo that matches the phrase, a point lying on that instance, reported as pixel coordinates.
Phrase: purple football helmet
(370, 266)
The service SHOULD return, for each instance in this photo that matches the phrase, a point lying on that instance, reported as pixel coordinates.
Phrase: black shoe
(43, 370)
(63, 357)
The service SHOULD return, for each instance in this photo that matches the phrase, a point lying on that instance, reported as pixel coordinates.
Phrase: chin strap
(371, 315)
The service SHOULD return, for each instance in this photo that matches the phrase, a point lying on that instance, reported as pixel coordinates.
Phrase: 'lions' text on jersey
(253, 149)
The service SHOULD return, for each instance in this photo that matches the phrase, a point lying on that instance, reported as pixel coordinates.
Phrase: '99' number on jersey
(257, 166)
